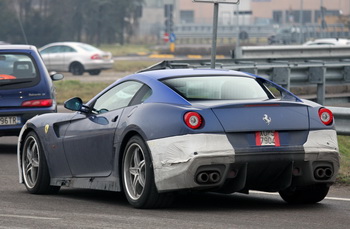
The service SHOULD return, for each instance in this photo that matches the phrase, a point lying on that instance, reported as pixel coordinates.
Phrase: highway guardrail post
(281, 76)
(317, 75)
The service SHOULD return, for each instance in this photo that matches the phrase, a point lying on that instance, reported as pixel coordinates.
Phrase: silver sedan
(75, 57)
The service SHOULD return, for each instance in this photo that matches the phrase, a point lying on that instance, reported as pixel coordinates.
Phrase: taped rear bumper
(179, 163)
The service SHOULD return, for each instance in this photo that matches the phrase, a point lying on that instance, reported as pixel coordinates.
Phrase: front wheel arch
(32, 158)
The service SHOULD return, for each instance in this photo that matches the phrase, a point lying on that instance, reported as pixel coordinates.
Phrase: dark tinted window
(17, 69)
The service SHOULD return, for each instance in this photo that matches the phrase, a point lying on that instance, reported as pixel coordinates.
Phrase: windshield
(217, 88)
(16, 69)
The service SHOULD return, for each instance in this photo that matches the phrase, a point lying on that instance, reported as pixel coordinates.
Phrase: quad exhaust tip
(208, 177)
(323, 173)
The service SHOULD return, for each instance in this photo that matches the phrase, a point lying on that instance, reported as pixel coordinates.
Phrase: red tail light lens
(193, 120)
(38, 103)
(96, 57)
(326, 116)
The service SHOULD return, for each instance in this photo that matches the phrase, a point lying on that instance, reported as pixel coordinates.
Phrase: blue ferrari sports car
(154, 133)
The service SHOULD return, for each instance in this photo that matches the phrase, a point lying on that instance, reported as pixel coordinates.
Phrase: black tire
(34, 167)
(305, 195)
(138, 178)
(77, 68)
(94, 72)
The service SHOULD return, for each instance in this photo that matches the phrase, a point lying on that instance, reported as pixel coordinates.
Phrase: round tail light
(193, 120)
(326, 116)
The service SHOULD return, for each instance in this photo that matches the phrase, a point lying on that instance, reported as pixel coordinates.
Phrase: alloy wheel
(134, 171)
(30, 161)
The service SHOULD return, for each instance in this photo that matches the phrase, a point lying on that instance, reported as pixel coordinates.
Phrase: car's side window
(117, 97)
(67, 49)
(53, 49)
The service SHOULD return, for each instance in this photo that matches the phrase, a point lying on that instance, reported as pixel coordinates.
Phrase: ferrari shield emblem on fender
(46, 128)
(267, 119)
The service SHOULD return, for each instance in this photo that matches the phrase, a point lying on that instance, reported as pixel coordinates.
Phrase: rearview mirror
(74, 104)
(56, 76)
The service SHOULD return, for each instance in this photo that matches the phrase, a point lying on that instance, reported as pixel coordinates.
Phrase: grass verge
(126, 50)
(66, 89)
(132, 65)
(344, 148)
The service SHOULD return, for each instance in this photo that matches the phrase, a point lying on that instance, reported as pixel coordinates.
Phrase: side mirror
(56, 76)
(74, 104)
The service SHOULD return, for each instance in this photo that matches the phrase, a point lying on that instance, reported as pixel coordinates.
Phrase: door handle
(115, 118)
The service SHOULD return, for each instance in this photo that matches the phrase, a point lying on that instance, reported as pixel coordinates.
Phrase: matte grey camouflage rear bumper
(208, 161)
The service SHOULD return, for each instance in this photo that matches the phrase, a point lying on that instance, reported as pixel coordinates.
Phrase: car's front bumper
(179, 161)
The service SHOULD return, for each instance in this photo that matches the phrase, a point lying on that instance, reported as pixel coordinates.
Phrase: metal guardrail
(291, 52)
(286, 73)
(289, 66)
(342, 119)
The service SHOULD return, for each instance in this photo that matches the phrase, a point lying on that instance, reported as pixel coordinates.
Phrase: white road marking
(276, 194)
(28, 217)
(336, 198)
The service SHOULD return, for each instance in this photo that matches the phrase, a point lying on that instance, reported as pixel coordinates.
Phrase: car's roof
(17, 47)
(170, 73)
(331, 41)
(65, 43)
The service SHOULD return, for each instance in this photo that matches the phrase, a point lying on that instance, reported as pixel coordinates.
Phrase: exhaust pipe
(319, 173)
(214, 177)
(328, 172)
(208, 177)
(202, 178)
(323, 173)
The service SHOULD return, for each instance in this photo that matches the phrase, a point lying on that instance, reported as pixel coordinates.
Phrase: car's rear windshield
(88, 48)
(217, 88)
(16, 69)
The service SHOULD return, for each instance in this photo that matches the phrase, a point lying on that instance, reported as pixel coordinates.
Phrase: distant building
(289, 11)
(251, 12)
(186, 12)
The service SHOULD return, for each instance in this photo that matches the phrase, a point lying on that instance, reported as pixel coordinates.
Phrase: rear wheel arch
(137, 176)
(123, 144)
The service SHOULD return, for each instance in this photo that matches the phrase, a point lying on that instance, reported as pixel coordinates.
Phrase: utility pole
(215, 24)
(323, 22)
(238, 28)
(301, 18)
(215, 35)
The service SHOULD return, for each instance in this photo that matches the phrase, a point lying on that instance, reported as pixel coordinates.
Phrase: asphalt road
(78, 208)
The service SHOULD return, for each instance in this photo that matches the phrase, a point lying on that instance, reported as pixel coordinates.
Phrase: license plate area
(267, 138)
(9, 120)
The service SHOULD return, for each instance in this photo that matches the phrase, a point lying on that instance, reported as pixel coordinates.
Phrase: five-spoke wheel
(135, 171)
(34, 167)
(138, 177)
